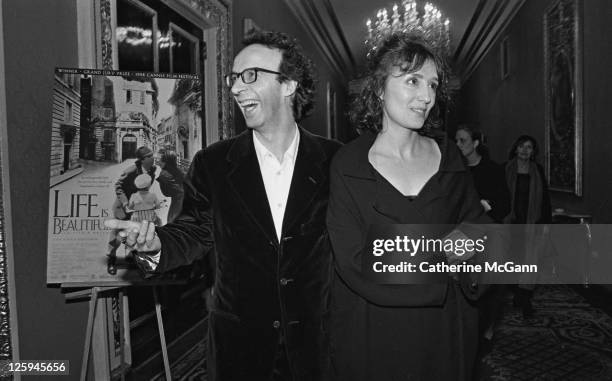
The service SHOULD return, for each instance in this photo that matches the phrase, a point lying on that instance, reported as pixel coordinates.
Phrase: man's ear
(476, 143)
(289, 87)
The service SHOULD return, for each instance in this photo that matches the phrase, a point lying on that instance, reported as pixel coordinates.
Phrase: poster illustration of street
(114, 133)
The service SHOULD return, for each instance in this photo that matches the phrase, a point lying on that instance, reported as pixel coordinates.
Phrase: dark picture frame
(563, 92)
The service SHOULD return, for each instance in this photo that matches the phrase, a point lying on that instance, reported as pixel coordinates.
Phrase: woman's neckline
(408, 196)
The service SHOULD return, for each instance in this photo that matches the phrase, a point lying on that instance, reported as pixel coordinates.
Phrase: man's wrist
(148, 260)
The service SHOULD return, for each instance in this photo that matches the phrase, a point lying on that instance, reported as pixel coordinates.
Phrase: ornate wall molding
(563, 78)
(106, 34)
(220, 13)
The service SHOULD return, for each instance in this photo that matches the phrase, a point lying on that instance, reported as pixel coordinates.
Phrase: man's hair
(294, 66)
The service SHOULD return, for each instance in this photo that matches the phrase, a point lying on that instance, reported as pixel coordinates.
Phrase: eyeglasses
(248, 75)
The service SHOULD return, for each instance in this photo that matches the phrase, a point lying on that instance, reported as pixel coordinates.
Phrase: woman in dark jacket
(170, 181)
(530, 202)
(490, 181)
(488, 176)
(527, 184)
(399, 171)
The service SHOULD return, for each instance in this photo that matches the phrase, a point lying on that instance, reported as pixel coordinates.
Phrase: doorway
(128, 147)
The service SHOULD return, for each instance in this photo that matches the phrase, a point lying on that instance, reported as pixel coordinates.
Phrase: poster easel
(85, 174)
(94, 293)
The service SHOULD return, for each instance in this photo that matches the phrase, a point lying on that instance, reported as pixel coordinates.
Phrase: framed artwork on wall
(563, 91)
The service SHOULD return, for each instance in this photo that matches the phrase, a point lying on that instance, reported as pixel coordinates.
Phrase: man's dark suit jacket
(263, 286)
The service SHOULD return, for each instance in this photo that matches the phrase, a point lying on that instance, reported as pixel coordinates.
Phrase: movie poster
(120, 143)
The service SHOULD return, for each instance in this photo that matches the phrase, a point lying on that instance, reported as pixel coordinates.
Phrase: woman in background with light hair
(490, 183)
(488, 175)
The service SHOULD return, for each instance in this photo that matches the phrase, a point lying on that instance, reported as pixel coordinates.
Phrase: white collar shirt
(277, 181)
(277, 177)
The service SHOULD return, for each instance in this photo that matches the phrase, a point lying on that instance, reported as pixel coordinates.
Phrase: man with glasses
(258, 202)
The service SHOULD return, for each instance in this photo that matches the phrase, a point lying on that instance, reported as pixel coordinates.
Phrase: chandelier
(406, 19)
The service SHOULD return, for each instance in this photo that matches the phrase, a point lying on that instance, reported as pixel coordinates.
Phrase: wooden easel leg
(162, 337)
(121, 336)
(92, 312)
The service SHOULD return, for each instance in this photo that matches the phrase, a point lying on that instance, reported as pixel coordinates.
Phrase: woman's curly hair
(408, 51)
(294, 66)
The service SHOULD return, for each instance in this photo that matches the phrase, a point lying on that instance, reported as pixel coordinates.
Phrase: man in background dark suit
(258, 202)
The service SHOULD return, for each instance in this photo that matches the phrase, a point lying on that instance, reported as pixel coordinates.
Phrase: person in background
(401, 170)
(170, 181)
(490, 181)
(489, 177)
(530, 205)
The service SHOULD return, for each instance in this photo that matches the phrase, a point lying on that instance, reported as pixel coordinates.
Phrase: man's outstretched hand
(139, 236)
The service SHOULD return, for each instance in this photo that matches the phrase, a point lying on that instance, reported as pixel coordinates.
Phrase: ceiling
(338, 27)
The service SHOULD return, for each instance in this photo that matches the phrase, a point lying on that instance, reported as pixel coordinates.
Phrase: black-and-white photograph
(121, 144)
